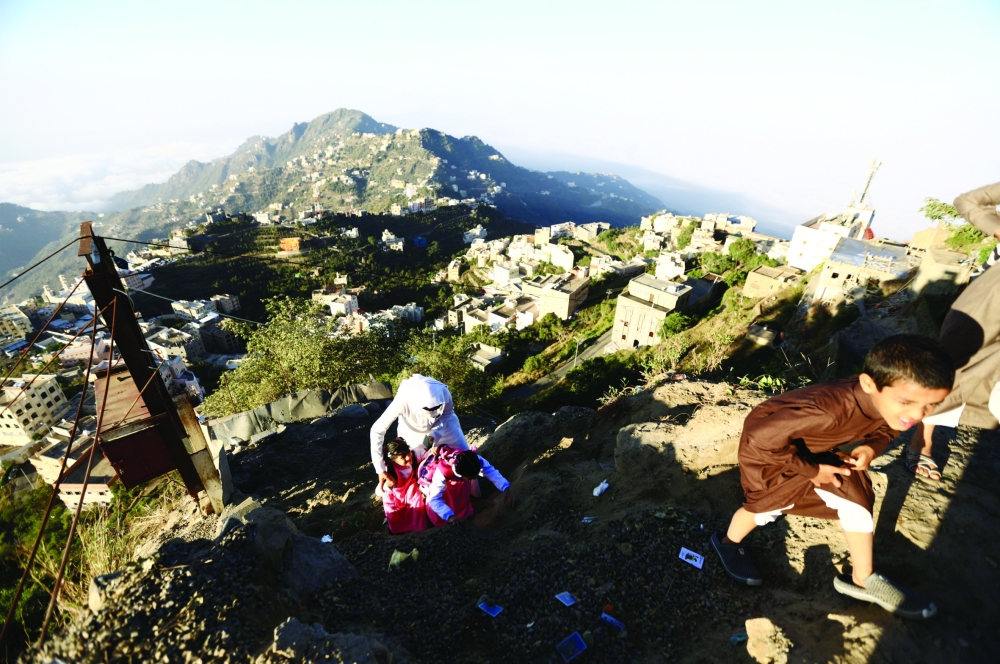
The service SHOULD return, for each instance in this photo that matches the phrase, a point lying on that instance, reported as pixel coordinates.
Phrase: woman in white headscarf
(422, 408)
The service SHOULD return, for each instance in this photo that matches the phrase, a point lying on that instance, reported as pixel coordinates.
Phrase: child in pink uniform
(446, 477)
(402, 501)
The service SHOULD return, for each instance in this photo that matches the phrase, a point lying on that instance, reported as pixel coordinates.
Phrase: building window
(651, 335)
(20, 411)
(24, 422)
(625, 323)
(28, 406)
(835, 275)
(623, 337)
(48, 404)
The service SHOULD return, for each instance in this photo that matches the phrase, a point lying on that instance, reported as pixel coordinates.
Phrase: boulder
(311, 564)
(274, 533)
(354, 410)
(528, 434)
(97, 596)
(640, 448)
(297, 642)
(766, 643)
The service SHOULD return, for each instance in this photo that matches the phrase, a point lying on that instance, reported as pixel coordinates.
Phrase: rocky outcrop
(528, 434)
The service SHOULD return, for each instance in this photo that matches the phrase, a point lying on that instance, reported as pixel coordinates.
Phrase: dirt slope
(669, 455)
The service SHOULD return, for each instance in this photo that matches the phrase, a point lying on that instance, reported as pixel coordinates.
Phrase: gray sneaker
(891, 597)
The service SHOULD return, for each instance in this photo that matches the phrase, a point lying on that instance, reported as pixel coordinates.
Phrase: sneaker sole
(851, 590)
(740, 579)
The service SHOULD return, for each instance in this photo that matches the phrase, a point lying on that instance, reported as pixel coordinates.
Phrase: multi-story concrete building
(853, 263)
(30, 405)
(343, 305)
(14, 323)
(641, 308)
(193, 309)
(225, 303)
(165, 341)
(455, 271)
(763, 280)
(477, 233)
(560, 295)
(589, 232)
(669, 265)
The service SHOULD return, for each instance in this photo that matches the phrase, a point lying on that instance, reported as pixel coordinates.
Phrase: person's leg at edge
(742, 524)
(860, 547)
(923, 435)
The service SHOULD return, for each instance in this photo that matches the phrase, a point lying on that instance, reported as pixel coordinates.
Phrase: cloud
(87, 181)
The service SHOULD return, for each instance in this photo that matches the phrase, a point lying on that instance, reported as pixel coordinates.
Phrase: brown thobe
(786, 438)
(971, 330)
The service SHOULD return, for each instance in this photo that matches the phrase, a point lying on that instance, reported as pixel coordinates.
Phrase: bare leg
(860, 547)
(741, 525)
(922, 439)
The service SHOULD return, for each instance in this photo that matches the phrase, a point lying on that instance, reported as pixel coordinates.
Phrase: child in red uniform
(402, 500)
(446, 477)
(790, 464)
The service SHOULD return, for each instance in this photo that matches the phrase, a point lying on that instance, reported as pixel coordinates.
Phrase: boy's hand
(385, 482)
(830, 475)
(861, 457)
(508, 498)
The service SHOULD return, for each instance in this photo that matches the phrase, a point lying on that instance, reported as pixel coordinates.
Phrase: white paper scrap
(689, 556)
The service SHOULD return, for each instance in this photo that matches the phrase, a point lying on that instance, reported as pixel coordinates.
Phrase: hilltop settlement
(299, 281)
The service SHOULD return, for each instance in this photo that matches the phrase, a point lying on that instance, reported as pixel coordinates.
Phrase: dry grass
(108, 536)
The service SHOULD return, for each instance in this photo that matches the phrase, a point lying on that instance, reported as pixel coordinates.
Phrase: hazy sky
(783, 102)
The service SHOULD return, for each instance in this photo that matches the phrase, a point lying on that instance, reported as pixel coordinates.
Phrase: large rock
(354, 410)
(766, 643)
(528, 434)
(98, 593)
(311, 564)
(297, 642)
(274, 534)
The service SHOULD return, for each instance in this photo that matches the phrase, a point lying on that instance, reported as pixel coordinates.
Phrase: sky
(773, 107)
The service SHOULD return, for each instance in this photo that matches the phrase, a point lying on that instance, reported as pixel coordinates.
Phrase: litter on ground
(566, 599)
(692, 558)
(614, 622)
(572, 646)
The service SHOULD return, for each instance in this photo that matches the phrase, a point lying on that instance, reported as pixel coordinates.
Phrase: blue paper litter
(614, 622)
(571, 647)
(738, 638)
(491, 609)
(566, 599)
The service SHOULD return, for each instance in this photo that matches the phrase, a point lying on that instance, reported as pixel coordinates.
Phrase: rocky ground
(668, 454)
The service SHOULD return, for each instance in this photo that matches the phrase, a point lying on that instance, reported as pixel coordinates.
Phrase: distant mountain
(346, 159)
(24, 232)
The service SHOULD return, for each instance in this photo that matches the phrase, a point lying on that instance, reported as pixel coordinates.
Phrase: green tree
(937, 210)
(301, 348)
(742, 249)
(449, 360)
(684, 238)
(674, 324)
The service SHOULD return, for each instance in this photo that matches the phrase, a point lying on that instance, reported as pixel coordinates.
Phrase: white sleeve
(449, 432)
(382, 425)
(434, 496)
(493, 475)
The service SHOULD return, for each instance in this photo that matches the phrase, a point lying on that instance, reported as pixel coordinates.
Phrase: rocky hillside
(259, 585)
(346, 159)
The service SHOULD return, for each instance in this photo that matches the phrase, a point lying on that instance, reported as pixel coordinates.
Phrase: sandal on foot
(891, 597)
(916, 460)
(736, 561)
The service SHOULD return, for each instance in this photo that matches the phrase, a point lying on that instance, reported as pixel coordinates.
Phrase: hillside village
(572, 315)
(519, 280)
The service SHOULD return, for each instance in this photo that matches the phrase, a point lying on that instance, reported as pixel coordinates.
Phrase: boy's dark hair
(913, 357)
(467, 465)
(397, 447)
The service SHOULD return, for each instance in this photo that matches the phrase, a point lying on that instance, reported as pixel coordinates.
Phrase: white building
(344, 305)
(477, 233)
(193, 309)
(30, 405)
(669, 265)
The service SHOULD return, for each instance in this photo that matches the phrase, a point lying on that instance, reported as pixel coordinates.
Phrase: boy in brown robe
(790, 462)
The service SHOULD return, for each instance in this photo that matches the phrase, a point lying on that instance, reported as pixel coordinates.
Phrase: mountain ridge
(354, 155)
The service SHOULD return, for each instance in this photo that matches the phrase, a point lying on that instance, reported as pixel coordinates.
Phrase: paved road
(595, 348)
